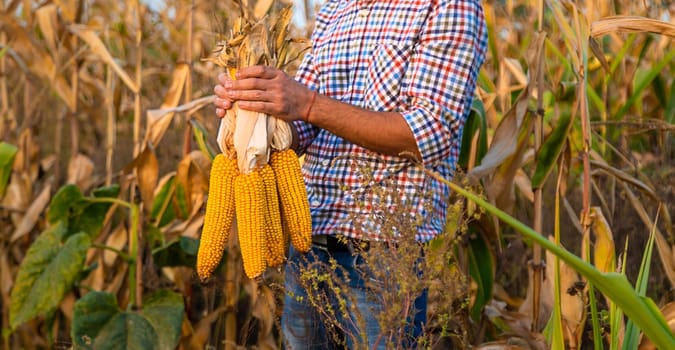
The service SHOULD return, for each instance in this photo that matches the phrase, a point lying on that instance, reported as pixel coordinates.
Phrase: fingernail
(228, 84)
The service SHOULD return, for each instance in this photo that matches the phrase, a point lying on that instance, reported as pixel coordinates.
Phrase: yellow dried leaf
(604, 257)
(117, 239)
(99, 49)
(261, 8)
(157, 126)
(32, 215)
(80, 170)
(68, 8)
(146, 168)
(631, 24)
(47, 20)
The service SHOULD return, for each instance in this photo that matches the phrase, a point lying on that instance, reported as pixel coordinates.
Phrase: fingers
(260, 106)
(222, 103)
(223, 78)
(260, 72)
(249, 95)
(220, 92)
(256, 88)
(248, 89)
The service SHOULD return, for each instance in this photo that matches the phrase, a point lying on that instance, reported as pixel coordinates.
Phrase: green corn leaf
(670, 107)
(200, 135)
(7, 154)
(632, 335)
(551, 149)
(162, 211)
(181, 201)
(476, 123)
(643, 83)
(481, 269)
(627, 45)
(557, 340)
(614, 285)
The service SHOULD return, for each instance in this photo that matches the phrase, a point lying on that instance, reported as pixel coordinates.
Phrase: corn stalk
(537, 265)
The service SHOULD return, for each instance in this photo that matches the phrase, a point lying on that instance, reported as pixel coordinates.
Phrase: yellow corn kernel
(293, 198)
(219, 215)
(274, 234)
(232, 72)
(249, 194)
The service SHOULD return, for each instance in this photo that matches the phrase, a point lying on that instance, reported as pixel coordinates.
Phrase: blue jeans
(304, 326)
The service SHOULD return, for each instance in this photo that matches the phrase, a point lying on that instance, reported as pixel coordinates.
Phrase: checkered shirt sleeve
(443, 72)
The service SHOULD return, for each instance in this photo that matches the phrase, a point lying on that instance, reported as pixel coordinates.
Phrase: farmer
(387, 84)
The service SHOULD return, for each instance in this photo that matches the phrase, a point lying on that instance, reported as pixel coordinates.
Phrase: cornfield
(561, 232)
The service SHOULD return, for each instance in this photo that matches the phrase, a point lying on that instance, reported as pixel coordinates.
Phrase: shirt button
(363, 12)
(325, 162)
(315, 203)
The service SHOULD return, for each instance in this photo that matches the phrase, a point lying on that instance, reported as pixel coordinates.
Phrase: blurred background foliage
(108, 129)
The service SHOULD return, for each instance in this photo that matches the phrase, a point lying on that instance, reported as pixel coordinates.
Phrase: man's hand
(222, 102)
(263, 89)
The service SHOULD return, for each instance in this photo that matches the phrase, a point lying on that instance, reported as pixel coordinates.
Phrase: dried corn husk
(249, 136)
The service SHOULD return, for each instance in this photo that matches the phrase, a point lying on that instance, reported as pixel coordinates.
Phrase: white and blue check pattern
(419, 58)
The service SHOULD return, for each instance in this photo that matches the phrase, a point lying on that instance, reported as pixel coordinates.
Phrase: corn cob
(250, 207)
(219, 215)
(250, 137)
(293, 197)
(274, 234)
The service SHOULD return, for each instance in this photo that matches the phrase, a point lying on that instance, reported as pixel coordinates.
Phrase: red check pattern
(420, 58)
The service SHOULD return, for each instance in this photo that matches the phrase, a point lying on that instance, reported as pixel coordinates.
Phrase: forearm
(382, 132)
(265, 90)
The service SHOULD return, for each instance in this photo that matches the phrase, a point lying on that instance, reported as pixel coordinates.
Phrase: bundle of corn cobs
(257, 177)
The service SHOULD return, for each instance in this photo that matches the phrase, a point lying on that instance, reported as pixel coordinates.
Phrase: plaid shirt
(417, 57)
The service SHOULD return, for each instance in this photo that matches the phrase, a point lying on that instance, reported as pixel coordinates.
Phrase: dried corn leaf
(97, 46)
(48, 21)
(32, 215)
(262, 7)
(571, 304)
(157, 125)
(146, 167)
(36, 59)
(631, 24)
(68, 8)
(505, 141)
(604, 254)
(117, 239)
(80, 170)
(6, 275)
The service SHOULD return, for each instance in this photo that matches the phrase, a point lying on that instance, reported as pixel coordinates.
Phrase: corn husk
(250, 136)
